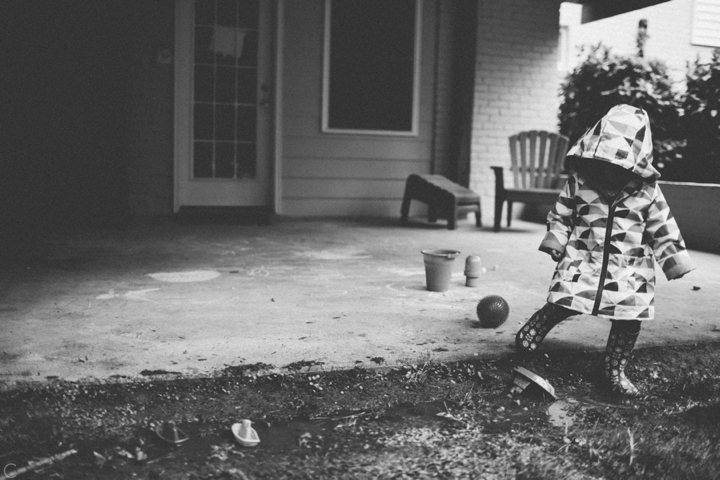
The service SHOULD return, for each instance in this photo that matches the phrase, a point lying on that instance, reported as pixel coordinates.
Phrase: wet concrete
(195, 299)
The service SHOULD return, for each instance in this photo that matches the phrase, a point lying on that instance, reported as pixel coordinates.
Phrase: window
(371, 67)
(225, 90)
(706, 23)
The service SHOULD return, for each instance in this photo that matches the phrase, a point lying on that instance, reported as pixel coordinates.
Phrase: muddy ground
(431, 420)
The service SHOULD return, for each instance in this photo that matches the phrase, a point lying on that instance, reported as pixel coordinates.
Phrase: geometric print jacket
(610, 245)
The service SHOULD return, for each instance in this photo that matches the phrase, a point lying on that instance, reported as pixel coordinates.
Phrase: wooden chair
(537, 163)
(444, 198)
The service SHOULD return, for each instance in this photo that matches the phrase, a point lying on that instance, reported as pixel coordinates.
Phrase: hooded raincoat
(610, 243)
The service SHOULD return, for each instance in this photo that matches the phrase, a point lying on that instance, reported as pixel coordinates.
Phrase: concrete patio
(194, 299)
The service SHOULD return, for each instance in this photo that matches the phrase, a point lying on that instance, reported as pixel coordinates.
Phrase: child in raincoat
(610, 223)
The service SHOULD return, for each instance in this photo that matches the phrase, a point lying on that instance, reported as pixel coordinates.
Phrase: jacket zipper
(606, 255)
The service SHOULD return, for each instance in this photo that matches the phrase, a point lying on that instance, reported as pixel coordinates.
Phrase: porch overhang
(593, 10)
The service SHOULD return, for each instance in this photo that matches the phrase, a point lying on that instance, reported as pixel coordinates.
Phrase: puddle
(284, 437)
(423, 411)
(560, 413)
(205, 438)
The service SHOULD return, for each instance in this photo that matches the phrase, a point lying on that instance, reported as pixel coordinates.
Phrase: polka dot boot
(621, 342)
(528, 338)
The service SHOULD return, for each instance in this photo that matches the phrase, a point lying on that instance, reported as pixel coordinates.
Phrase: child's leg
(528, 338)
(621, 342)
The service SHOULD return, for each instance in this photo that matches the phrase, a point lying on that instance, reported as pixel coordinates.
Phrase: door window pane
(203, 160)
(248, 57)
(246, 123)
(227, 13)
(248, 14)
(204, 83)
(247, 86)
(205, 12)
(224, 122)
(225, 86)
(246, 160)
(225, 160)
(203, 121)
(203, 42)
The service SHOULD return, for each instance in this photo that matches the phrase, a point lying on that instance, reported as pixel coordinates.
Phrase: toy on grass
(492, 311)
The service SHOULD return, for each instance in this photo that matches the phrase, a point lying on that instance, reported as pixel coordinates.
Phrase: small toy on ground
(524, 378)
(244, 434)
(170, 433)
(492, 311)
(473, 266)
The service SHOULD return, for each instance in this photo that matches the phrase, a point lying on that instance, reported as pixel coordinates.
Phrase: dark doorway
(63, 119)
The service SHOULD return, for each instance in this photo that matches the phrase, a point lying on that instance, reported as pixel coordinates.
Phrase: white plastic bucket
(438, 268)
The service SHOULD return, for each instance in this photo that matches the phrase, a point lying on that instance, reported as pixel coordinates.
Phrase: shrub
(700, 124)
(686, 125)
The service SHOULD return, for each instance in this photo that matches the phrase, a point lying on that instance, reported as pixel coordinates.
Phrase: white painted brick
(516, 82)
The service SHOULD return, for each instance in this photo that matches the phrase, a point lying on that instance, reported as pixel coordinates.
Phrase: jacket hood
(622, 137)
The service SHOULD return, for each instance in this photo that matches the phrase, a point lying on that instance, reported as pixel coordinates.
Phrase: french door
(223, 100)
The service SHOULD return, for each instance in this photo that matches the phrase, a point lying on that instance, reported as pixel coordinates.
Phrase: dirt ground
(429, 420)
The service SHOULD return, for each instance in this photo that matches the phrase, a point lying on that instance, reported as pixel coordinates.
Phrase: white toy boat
(244, 434)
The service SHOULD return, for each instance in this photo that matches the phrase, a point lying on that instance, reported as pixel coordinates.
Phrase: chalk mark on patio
(185, 277)
(131, 295)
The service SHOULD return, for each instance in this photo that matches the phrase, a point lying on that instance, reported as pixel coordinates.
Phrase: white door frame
(183, 105)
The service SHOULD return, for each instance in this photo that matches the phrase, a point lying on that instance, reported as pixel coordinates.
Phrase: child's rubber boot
(621, 342)
(529, 337)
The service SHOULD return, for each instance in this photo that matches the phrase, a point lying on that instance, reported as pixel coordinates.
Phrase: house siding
(340, 174)
(516, 86)
(337, 174)
(670, 29)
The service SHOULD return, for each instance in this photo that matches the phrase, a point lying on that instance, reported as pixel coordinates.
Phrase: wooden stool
(445, 199)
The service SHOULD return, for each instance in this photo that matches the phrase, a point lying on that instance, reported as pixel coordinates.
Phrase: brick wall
(516, 83)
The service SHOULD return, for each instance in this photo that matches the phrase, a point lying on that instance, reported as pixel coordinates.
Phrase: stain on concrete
(185, 277)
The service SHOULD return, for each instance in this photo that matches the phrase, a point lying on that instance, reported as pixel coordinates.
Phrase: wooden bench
(537, 159)
(445, 199)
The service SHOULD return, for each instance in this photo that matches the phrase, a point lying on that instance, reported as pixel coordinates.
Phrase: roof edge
(593, 10)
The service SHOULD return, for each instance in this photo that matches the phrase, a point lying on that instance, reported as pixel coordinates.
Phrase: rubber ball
(492, 311)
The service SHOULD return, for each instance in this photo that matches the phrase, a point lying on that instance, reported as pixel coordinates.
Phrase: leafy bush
(700, 124)
(685, 125)
(605, 79)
